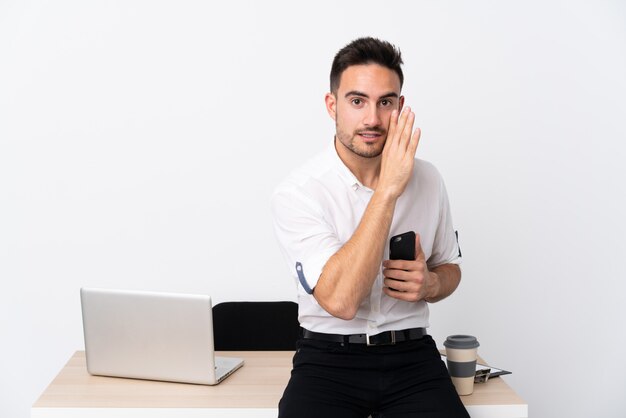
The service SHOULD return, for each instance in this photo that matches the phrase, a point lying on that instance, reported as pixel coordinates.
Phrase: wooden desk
(252, 391)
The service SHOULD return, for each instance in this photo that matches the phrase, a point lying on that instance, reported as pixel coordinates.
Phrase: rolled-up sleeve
(305, 238)
(445, 246)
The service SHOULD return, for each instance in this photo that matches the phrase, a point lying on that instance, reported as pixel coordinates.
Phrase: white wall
(140, 141)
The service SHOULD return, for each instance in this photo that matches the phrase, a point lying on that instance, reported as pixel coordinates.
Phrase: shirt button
(355, 187)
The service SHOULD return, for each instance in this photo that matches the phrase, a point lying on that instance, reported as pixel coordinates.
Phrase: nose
(372, 117)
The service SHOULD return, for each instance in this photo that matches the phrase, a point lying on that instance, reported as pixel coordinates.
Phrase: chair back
(259, 326)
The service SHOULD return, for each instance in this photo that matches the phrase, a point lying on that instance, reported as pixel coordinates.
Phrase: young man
(364, 348)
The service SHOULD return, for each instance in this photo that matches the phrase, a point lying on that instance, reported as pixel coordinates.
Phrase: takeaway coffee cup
(461, 358)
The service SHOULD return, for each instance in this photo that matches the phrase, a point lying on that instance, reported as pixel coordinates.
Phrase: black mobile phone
(402, 247)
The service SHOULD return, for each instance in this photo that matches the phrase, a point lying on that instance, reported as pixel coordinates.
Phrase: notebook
(151, 335)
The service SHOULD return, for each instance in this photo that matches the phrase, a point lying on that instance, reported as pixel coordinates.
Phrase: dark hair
(365, 51)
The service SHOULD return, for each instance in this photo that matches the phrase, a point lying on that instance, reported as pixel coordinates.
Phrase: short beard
(348, 141)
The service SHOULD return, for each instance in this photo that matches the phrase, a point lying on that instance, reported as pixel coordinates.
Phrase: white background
(140, 142)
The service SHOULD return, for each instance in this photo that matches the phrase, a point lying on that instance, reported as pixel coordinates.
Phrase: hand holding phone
(406, 273)
(402, 247)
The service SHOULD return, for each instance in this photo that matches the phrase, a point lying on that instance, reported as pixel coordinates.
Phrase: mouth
(370, 136)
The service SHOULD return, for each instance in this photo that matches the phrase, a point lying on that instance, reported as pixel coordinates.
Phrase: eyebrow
(361, 94)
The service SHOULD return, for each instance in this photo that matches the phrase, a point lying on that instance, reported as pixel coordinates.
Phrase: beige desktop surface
(258, 384)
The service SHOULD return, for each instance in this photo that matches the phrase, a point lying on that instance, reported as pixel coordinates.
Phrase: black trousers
(353, 380)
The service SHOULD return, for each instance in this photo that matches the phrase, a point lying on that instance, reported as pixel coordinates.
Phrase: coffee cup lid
(461, 341)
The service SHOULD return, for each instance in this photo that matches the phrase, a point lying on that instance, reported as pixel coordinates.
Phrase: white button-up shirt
(316, 210)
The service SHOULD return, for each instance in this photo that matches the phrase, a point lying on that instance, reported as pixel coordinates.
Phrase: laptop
(154, 336)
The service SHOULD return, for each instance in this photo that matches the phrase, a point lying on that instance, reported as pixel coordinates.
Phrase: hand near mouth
(398, 156)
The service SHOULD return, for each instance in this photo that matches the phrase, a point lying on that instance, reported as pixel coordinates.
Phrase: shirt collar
(344, 172)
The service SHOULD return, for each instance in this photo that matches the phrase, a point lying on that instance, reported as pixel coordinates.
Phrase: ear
(400, 104)
(331, 105)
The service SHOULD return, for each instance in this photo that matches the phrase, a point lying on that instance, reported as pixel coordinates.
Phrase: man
(364, 348)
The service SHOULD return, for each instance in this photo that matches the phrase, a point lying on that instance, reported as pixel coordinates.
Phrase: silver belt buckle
(392, 342)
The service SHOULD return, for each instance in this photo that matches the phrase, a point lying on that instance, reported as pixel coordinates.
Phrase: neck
(366, 170)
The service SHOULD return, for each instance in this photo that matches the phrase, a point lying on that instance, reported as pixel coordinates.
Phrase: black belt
(384, 338)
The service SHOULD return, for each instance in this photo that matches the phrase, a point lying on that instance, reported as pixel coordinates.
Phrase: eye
(356, 101)
(385, 102)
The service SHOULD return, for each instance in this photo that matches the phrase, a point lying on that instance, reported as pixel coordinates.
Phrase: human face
(362, 106)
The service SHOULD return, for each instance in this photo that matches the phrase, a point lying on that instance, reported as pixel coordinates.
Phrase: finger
(406, 112)
(415, 141)
(399, 264)
(405, 137)
(401, 124)
(405, 296)
(393, 123)
(400, 286)
(397, 274)
(418, 247)
(397, 285)
(406, 276)
(391, 132)
(403, 265)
